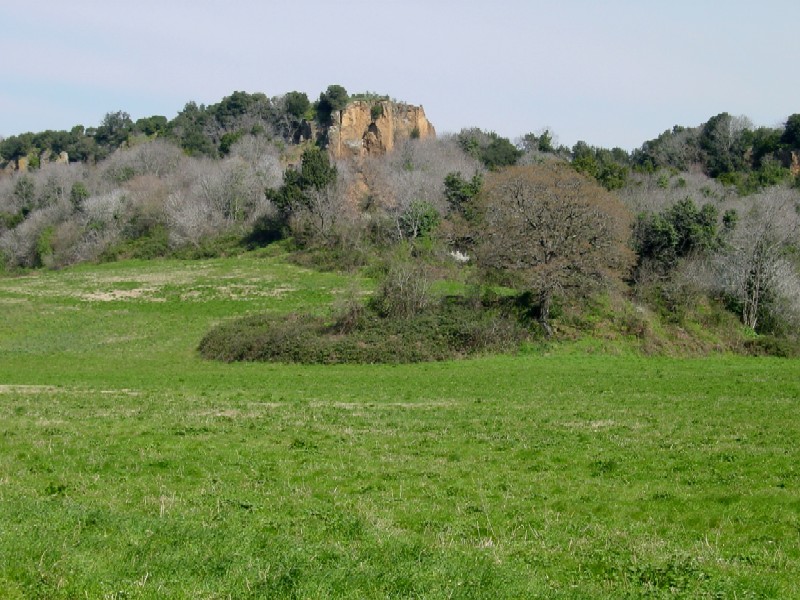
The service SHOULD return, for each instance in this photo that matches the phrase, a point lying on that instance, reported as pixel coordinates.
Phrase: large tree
(553, 229)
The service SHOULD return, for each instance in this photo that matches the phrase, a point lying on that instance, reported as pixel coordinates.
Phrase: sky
(608, 72)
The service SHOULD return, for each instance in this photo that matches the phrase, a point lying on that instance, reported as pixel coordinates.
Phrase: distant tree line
(198, 129)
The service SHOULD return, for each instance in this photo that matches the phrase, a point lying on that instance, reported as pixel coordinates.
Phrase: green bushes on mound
(769, 345)
(452, 329)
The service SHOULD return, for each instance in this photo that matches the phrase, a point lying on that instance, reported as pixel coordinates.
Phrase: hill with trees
(668, 246)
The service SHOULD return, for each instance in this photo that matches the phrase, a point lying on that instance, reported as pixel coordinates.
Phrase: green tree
(419, 219)
(331, 100)
(316, 170)
(677, 232)
(229, 139)
(584, 160)
(16, 146)
(722, 141)
(491, 149)
(297, 104)
(315, 174)
(289, 195)
(236, 105)
(545, 143)
(791, 132)
(114, 130)
(151, 126)
(189, 129)
(78, 194)
(500, 153)
(460, 192)
(608, 167)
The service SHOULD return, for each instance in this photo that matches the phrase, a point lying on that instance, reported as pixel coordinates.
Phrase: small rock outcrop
(365, 128)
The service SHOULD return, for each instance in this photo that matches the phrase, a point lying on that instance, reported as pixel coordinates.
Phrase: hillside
(700, 217)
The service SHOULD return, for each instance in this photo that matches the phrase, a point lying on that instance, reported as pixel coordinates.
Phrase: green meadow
(132, 468)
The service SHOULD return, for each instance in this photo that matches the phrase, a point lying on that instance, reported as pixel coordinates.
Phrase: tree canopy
(552, 229)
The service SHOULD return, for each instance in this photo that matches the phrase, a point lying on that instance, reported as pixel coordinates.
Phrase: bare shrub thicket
(19, 246)
(415, 173)
(155, 157)
(330, 216)
(219, 195)
(263, 156)
(405, 290)
(101, 223)
(32, 205)
(754, 266)
(655, 192)
(40, 188)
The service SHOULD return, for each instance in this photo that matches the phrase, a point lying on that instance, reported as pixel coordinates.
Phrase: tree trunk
(545, 300)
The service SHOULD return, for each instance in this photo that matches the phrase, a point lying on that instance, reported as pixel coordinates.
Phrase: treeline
(726, 148)
(198, 130)
(729, 149)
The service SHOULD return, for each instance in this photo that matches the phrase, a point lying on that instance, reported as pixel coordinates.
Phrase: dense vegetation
(699, 217)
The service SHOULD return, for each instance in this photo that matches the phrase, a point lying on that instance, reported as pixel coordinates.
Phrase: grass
(131, 468)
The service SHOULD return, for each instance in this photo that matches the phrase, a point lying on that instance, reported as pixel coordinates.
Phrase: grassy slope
(130, 468)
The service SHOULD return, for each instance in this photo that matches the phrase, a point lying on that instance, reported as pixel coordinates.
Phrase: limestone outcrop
(365, 128)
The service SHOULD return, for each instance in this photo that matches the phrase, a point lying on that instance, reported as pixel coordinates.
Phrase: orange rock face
(355, 133)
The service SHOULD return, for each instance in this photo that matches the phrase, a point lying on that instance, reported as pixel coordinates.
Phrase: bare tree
(414, 173)
(753, 267)
(654, 192)
(330, 216)
(553, 229)
(154, 157)
(263, 157)
(190, 219)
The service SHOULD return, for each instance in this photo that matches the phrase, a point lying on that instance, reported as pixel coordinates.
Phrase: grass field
(130, 468)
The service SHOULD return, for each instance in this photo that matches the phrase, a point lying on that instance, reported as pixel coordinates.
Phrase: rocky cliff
(365, 128)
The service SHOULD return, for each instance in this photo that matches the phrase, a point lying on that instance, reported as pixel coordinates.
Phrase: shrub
(360, 334)
(419, 219)
(768, 345)
(404, 291)
(153, 244)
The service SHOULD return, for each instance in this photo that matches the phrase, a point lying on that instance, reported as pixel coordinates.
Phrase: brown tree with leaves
(552, 229)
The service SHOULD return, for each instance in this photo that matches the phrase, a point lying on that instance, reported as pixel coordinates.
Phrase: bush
(769, 345)
(405, 290)
(360, 334)
(420, 219)
(153, 244)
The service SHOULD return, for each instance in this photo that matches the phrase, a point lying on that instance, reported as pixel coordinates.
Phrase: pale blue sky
(612, 73)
